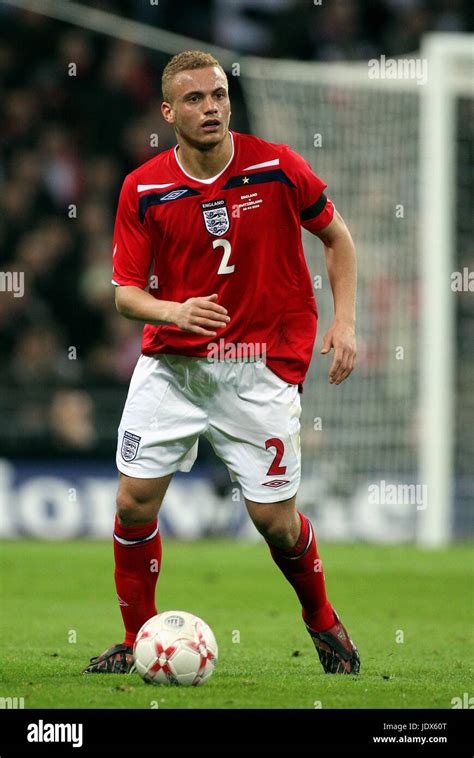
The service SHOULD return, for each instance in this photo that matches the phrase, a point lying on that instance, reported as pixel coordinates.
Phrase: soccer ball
(175, 647)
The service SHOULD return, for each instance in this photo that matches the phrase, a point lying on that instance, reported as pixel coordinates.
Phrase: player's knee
(131, 511)
(277, 532)
(127, 509)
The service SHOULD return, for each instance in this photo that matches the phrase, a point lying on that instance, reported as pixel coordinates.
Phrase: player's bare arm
(342, 271)
(200, 315)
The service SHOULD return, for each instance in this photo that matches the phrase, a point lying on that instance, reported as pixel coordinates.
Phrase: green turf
(51, 592)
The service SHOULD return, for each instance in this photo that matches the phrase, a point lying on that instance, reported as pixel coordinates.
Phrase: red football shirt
(237, 234)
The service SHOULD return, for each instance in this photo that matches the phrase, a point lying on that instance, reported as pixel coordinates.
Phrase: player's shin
(137, 551)
(302, 567)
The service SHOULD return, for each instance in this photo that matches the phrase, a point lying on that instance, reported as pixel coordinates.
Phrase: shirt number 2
(224, 268)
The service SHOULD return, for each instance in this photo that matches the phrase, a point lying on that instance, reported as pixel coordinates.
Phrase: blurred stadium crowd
(67, 143)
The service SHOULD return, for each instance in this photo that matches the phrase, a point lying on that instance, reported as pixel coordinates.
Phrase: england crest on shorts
(130, 444)
(216, 217)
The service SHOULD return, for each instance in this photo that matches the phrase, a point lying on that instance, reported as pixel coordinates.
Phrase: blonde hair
(189, 60)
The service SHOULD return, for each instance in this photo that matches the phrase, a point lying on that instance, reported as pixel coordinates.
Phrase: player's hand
(342, 338)
(201, 315)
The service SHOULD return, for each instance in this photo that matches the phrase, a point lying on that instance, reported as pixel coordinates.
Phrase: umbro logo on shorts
(275, 483)
(130, 444)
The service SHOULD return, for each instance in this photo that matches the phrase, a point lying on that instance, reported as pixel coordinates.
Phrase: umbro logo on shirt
(173, 195)
(157, 198)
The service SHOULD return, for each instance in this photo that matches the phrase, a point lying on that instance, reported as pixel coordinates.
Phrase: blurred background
(69, 136)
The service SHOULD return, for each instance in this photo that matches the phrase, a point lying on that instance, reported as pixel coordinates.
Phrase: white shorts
(250, 416)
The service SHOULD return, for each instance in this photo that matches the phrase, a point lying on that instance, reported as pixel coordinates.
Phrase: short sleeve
(315, 208)
(132, 247)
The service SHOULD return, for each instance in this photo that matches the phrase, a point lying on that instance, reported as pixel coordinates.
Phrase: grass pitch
(410, 613)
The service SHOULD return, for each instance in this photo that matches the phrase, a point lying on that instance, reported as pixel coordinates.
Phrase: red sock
(137, 551)
(303, 568)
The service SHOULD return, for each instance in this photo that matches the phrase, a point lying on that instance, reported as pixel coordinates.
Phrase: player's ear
(167, 112)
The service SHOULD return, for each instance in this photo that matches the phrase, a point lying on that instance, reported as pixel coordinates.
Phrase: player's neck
(204, 164)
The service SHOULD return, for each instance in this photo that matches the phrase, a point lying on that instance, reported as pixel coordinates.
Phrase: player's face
(200, 109)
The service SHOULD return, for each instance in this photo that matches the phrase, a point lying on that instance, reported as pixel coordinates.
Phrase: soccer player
(213, 229)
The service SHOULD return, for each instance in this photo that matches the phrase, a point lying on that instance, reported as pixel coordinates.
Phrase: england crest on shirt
(216, 217)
